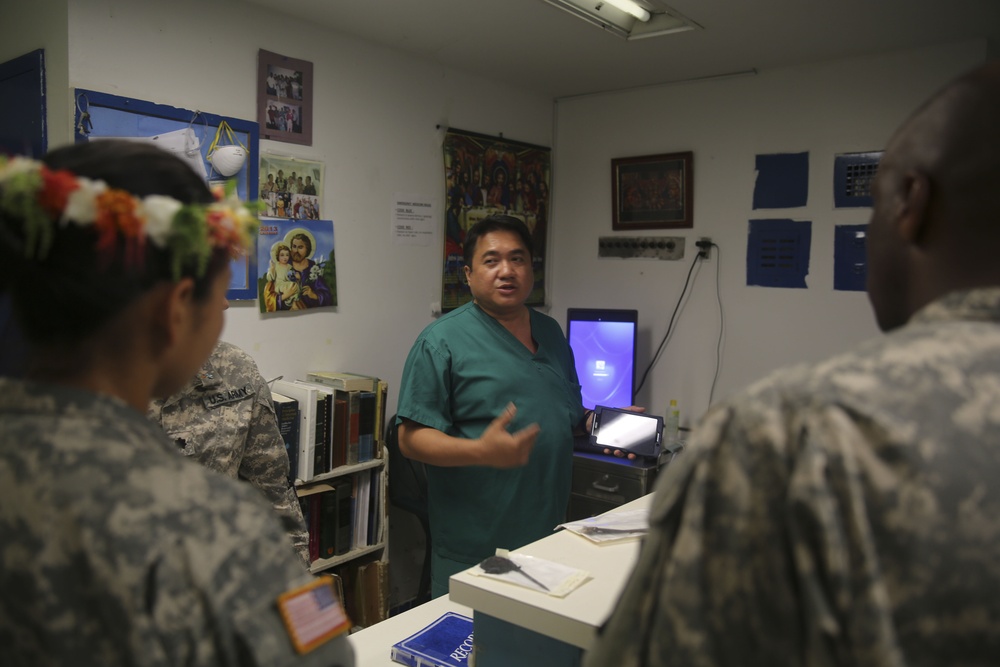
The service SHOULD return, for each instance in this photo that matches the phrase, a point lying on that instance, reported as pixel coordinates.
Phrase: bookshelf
(341, 480)
(361, 571)
(319, 484)
(340, 472)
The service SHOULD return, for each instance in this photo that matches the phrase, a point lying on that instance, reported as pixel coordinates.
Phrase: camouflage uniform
(846, 513)
(224, 419)
(115, 550)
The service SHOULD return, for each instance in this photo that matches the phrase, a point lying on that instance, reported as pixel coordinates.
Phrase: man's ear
(468, 270)
(174, 311)
(913, 212)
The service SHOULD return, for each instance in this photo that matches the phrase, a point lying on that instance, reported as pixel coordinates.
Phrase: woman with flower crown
(115, 549)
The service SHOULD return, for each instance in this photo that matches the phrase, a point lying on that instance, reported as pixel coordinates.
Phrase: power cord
(722, 326)
(670, 325)
(704, 246)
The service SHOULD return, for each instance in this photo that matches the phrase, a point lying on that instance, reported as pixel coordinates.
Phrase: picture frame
(284, 98)
(186, 132)
(652, 192)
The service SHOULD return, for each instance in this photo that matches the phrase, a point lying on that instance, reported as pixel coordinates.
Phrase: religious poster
(487, 175)
(296, 265)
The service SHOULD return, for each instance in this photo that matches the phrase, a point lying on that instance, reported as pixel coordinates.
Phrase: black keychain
(501, 565)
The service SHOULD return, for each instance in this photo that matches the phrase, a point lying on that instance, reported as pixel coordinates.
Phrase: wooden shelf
(314, 485)
(326, 563)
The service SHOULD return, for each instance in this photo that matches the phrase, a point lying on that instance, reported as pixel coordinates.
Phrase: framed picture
(652, 192)
(186, 133)
(284, 98)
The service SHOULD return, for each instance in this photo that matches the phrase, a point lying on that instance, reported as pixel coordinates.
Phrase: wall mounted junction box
(649, 247)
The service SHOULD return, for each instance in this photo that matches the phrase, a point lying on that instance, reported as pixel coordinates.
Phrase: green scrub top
(461, 373)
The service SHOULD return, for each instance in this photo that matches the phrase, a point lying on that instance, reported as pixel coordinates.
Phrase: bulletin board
(105, 115)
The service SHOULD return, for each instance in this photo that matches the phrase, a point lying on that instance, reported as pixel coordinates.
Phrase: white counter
(574, 619)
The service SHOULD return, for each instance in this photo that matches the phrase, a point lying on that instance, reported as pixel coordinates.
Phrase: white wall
(826, 109)
(376, 112)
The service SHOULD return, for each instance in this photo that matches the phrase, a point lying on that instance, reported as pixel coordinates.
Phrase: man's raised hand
(502, 449)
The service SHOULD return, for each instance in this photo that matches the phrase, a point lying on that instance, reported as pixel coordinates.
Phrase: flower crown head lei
(46, 200)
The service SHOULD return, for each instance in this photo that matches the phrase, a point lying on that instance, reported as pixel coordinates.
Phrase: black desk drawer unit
(602, 483)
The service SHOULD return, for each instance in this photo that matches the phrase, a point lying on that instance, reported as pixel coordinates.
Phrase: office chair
(408, 492)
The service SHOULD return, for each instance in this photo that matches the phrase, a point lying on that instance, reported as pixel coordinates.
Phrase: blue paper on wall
(778, 253)
(850, 261)
(782, 180)
(447, 642)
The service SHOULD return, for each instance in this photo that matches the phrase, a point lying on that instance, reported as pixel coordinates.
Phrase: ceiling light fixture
(629, 19)
(632, 8)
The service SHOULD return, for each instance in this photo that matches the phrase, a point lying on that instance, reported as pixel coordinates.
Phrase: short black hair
(496, 223)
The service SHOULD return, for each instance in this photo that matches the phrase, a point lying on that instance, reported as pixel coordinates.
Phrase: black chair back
(408, 492)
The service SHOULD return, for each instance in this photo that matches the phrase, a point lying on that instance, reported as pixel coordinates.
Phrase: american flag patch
(312, 614)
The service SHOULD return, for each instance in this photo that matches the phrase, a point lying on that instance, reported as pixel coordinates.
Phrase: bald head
(954, 138)
(935, 225)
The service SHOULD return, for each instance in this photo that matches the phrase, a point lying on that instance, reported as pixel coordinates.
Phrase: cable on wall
(722, 326)
(670, 325)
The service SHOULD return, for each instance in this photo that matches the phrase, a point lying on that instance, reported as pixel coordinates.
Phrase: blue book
(447, 642)
(286, 410)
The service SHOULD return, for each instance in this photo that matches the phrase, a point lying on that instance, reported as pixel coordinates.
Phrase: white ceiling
(533, 45)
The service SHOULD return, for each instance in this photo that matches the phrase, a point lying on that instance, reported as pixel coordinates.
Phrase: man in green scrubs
(490, 401)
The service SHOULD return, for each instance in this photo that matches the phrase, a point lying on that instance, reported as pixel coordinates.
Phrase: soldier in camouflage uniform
(224, 419)
(848, 513)
(115, 550)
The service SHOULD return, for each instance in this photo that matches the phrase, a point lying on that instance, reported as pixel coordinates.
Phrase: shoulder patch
(313, 614)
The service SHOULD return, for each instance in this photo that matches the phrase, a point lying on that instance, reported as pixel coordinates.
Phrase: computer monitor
(603, 342)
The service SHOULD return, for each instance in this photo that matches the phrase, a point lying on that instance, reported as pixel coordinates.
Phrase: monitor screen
(603, 343)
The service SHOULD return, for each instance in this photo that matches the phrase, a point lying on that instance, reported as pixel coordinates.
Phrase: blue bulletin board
(105, 115)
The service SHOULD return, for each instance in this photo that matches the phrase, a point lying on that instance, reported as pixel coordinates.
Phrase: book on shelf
(366, 585)
(354, 426)
(345, 381)
(306, 396)
(328, 524)
(381, 396)
(366, 426)
(362, 484)
(383, 505)
(375, 508)
(367, 398)
(343, 492)
(374, 583)
(286, 410)
(341, 428)
(324, 425)
(312, 512)
(324, 410)
(338, 587)
(447, 642)
(331, 515)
